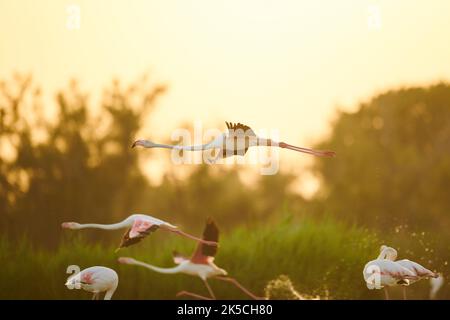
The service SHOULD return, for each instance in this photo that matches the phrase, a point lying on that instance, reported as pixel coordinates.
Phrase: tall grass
(323, 258)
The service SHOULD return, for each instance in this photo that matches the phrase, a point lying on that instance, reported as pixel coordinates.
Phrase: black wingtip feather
(210, 233)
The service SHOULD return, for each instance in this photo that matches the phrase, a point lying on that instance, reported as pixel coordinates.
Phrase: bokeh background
(367, 79)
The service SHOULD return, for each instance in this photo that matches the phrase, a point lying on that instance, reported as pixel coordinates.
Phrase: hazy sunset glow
(276, 65)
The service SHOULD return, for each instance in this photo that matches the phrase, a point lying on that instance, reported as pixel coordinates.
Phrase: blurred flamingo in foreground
(201, 264)
(383, 272)
(235, 142)
(96, 280)
(140, 226)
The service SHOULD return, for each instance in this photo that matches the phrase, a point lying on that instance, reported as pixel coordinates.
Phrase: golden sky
(268, 63)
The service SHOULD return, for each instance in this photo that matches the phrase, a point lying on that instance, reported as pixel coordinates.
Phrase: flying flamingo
(139, 226)
(419, 271)
(383, 273)
(236, 141)
(96, 280)
(200, 264)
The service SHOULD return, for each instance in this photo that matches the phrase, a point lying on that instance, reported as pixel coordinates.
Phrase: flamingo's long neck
(114, 226)
(384, 255)
(176, 269)
(186, 148)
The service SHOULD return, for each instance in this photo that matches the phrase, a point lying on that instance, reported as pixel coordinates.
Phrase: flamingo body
(389, 273)
(394, 272)
(420, 271)
(96, 280)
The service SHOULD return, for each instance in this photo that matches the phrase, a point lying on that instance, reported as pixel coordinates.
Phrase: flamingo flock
(383, 272)
(200, 264)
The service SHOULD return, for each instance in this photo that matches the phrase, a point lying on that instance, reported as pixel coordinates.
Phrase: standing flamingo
(96, 280)
(383, 273)
(200, 264)
(235, 142)
(419, 271)
(139, 226)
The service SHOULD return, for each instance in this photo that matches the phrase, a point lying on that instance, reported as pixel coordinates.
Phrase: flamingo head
(71, 282)
(74, 281)
(143, 143)
(80, 280)
(126, 260)
(70, 225)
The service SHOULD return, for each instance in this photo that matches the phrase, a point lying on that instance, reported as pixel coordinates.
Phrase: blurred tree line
(393, 165)
(392, 169)
(77, 165)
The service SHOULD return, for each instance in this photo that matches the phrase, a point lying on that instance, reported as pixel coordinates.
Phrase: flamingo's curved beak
(134, 144)
(124, 260)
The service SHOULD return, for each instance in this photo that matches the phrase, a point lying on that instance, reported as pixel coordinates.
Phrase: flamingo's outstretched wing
(239, 129)
(139, 230)
(205, 253)
(239, 135)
